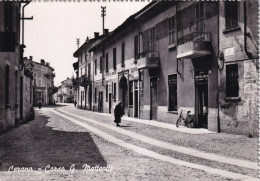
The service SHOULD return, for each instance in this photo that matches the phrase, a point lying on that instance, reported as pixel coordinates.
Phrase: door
(109, 103)
(100, 101)
(202, 100)
(21, 98)
(154, 102)
(136, 104)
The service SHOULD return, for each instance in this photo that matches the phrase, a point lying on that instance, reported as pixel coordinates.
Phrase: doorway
(21, 98)
(136, 97)
(109, 103)
(201, 88)
(153, 98)
(100, 101)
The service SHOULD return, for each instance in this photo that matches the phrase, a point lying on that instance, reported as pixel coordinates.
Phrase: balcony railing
(148, 54)
(195, 36)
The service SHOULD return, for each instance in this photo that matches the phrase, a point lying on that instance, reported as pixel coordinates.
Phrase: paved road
(64, 143)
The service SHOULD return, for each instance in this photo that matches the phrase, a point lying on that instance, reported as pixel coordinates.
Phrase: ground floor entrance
(201, 92)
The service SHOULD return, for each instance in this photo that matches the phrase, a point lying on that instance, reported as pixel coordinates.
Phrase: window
(114, 91)
(86, 55)
(100, 64)
(114, 58)
(200, 17)
(152, 38)
(171, 30)
(8, 10)
(130, 93)
(70, 92)
(89, 69)
(232, 86)
(136, 47)
(95, 95)
(95, 67)
(106, 62)
(231, 14)
(106, 92)
(7, 84)
(123, 55)
(172, 84)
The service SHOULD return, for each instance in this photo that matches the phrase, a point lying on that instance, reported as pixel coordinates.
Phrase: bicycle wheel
(178, 122)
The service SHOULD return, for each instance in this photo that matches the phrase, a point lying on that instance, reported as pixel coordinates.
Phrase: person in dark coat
(118, 114)
(75, 103)
(40, 104)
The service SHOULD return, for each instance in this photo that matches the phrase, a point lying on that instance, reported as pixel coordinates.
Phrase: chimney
(47, 64)
(106, 31)
(96, 34)
(31, 57)
(42, 62)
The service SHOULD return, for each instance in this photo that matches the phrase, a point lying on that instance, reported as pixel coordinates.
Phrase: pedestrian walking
(75, 103)
(118, 114)
(40, 104)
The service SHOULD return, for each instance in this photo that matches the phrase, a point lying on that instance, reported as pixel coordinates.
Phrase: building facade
(43, 81)
(16, 88)
(173, 57)
(66, 92)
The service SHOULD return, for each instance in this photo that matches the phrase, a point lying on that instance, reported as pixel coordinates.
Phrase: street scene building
(66, 91)
(16, 89)
(43, 76)
(170, 58)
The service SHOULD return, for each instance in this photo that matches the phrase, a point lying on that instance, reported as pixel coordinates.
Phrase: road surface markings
(155, 155)
(181, 149)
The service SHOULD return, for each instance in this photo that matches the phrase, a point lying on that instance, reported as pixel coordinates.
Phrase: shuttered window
(231, 14)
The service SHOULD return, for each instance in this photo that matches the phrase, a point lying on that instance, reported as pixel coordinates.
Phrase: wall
(239, 116)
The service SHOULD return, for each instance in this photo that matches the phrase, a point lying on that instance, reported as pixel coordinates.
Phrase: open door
(201, 81)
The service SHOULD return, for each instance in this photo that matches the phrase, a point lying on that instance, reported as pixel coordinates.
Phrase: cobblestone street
(65, 143)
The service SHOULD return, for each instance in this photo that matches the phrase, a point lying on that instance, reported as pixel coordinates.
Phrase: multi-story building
(173, 57)
(66, 91)
(86, 70)
(43, 77)
(15, 78)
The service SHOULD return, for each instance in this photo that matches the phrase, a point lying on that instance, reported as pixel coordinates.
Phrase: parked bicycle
(189, 121)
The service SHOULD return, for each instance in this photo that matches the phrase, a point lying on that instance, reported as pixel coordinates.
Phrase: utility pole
(77, 40)
(103, 14)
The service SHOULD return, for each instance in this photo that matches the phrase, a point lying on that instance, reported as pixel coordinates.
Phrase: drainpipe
(177, 60)
(249, 54)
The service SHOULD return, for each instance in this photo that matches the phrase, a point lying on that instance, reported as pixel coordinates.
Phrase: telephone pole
(103, 14)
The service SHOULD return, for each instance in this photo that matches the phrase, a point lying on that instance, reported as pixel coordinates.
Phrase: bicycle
(189, 121)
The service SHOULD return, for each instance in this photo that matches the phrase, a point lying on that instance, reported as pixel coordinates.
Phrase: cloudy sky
(52, 33)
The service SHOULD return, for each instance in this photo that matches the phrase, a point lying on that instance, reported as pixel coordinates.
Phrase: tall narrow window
(152, 40)
(89, 70)
(106, 62)
(95, 67)
(232, 85)
(114, 58)
(171, 30)
(172, 84)
(123, 55)
(131, 93)
(114, 91)
(200, 17)
(16, 91)
(95, 95)
(106, 92)
(231, 14)
(100, 64)
(8, 21)
(7, 84)
(136, 47)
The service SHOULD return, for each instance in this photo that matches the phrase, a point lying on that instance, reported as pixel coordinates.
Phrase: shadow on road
(36, 145)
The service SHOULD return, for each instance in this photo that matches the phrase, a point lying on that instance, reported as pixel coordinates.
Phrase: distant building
(43, 81)
(66, 91)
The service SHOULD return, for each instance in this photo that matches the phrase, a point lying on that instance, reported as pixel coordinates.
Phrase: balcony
(194, 45)
(148, 59)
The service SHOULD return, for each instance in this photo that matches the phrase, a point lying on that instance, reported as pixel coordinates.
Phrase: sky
(52, 33)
